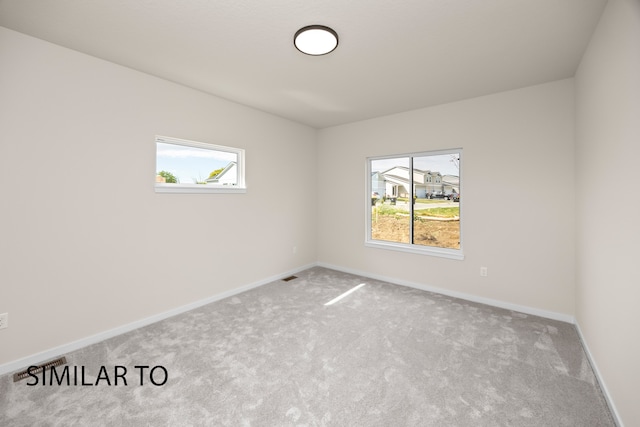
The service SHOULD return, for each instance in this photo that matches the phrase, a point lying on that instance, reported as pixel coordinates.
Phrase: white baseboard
(603, 386)
(469, 297)
(52, 353)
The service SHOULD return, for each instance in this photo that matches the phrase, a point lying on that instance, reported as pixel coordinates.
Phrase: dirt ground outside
(395, 228)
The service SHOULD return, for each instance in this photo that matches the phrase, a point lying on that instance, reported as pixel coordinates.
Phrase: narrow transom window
(413, 203)
(184, 166)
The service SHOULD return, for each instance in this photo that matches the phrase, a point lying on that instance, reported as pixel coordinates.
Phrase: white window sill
(198, 189)
(416, 249)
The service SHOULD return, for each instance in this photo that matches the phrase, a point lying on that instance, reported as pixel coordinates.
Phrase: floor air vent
(39, 368)
(290, 278)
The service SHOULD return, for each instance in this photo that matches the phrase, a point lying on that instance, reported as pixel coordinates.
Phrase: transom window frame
(455, 254)
(240, 187)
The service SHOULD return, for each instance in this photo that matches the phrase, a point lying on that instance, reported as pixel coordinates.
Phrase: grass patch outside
(388, 210)
(426, 201)
(439, 212)
(450, 212)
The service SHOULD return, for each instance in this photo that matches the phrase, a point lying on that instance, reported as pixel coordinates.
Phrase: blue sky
(189, 164)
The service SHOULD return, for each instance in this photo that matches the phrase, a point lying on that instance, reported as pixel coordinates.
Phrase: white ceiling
(393, 55)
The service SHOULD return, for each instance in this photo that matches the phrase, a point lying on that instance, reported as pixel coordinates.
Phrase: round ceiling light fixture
(315, 40)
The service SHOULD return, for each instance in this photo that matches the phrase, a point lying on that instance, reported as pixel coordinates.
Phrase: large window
(413, 203)
(194, 167)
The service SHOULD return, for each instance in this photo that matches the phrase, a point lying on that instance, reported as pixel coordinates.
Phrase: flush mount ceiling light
(315, 40)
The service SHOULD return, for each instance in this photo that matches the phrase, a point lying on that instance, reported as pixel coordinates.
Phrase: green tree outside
(215, 173)
(169, 177)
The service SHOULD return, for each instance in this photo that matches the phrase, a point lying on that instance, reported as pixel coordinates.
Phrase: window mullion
(411, 203)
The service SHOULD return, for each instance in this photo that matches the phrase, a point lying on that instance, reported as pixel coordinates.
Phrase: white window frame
(240, 187)
(449, 253)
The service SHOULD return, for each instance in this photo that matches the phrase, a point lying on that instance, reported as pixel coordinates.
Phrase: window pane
(436, 219)
(390, 192)
(415, 203)
(181, 164)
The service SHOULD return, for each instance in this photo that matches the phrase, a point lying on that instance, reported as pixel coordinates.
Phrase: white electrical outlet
(483, 271)
(295, 250)
(4, 320)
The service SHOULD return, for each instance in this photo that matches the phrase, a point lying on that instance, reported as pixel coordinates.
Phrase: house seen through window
(415, 203)
(189, 166)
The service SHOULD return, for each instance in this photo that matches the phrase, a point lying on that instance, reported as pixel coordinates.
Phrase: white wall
(608, 208)
(517, 145)
(86, 244)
